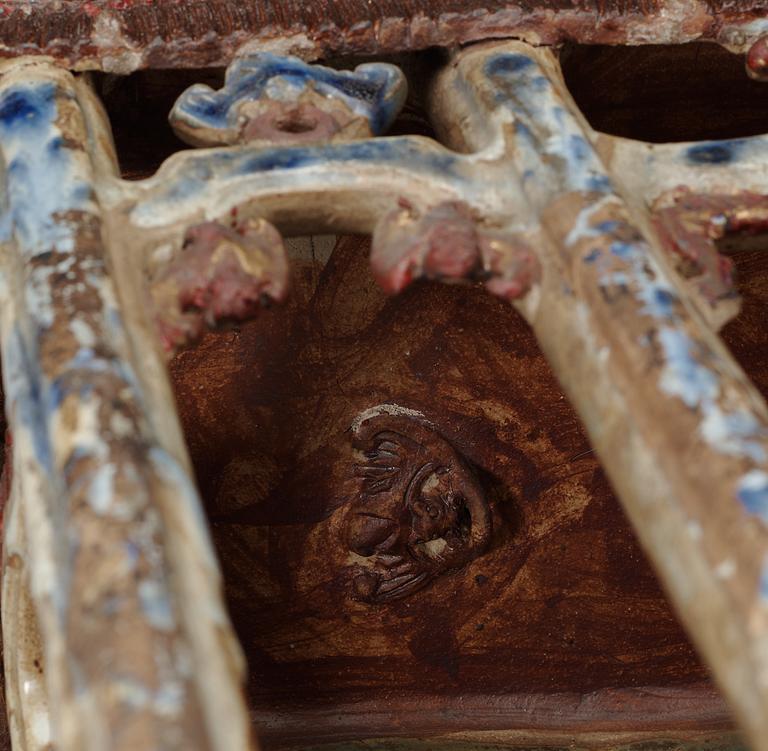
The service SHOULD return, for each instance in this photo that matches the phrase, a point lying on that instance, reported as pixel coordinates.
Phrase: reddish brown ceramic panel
(562, 603)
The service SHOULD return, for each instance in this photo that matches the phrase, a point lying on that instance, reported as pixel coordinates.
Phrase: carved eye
(427, 508)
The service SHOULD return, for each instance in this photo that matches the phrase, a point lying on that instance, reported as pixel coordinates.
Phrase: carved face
(420, 511)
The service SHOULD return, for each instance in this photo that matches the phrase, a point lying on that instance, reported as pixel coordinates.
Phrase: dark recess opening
(747, 334)
(138, 106)
(659, 93)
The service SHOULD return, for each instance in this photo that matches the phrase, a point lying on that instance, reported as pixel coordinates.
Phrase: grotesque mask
(420, 511)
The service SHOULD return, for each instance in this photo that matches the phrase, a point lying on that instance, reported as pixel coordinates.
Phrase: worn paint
(564, 162)
(444, 242)
(521, 87)
(396, 410)
(125, 36)
(764, 582)
(689, 225)
(659, 297)
(753, 493)
(686, 369)
(684, 375)
(221, 273)
(684, 372)
(757, 59)
(584, 228)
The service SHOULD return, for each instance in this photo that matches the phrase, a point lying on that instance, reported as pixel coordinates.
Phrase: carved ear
(479, 511)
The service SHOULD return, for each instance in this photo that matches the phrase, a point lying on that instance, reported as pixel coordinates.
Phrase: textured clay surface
(124, 35)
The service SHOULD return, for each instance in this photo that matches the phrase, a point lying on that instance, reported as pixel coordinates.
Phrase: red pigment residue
(690, 227)
(757, 60)
(222, 273)
(444, 242)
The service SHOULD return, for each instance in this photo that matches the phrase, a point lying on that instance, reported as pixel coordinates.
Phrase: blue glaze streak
(504, 65)
(40, 184)
(662, 301)
(753, 493)
(736, 433)
(78, 377)
(764, 581)
(715, 152)
(205, 171)
(521, 87)
(39, 175)
(17, 108)
(683, 375)
(375, 91)
(659, 299)
(623, 250)
(399, 151)
(21, 384)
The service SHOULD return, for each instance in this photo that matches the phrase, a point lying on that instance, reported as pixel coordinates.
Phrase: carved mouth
(390, 589)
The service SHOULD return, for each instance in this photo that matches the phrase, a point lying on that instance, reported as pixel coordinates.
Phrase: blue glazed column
(679, 428)
(122, 660)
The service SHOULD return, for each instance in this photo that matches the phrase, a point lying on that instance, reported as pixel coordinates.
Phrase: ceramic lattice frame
(110, 578)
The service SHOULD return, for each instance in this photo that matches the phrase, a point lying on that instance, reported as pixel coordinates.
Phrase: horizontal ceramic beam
(122, 37)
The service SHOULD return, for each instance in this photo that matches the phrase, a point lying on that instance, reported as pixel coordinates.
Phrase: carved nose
(368, 534)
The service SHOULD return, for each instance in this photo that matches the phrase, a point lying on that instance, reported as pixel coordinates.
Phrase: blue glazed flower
(286, 90)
